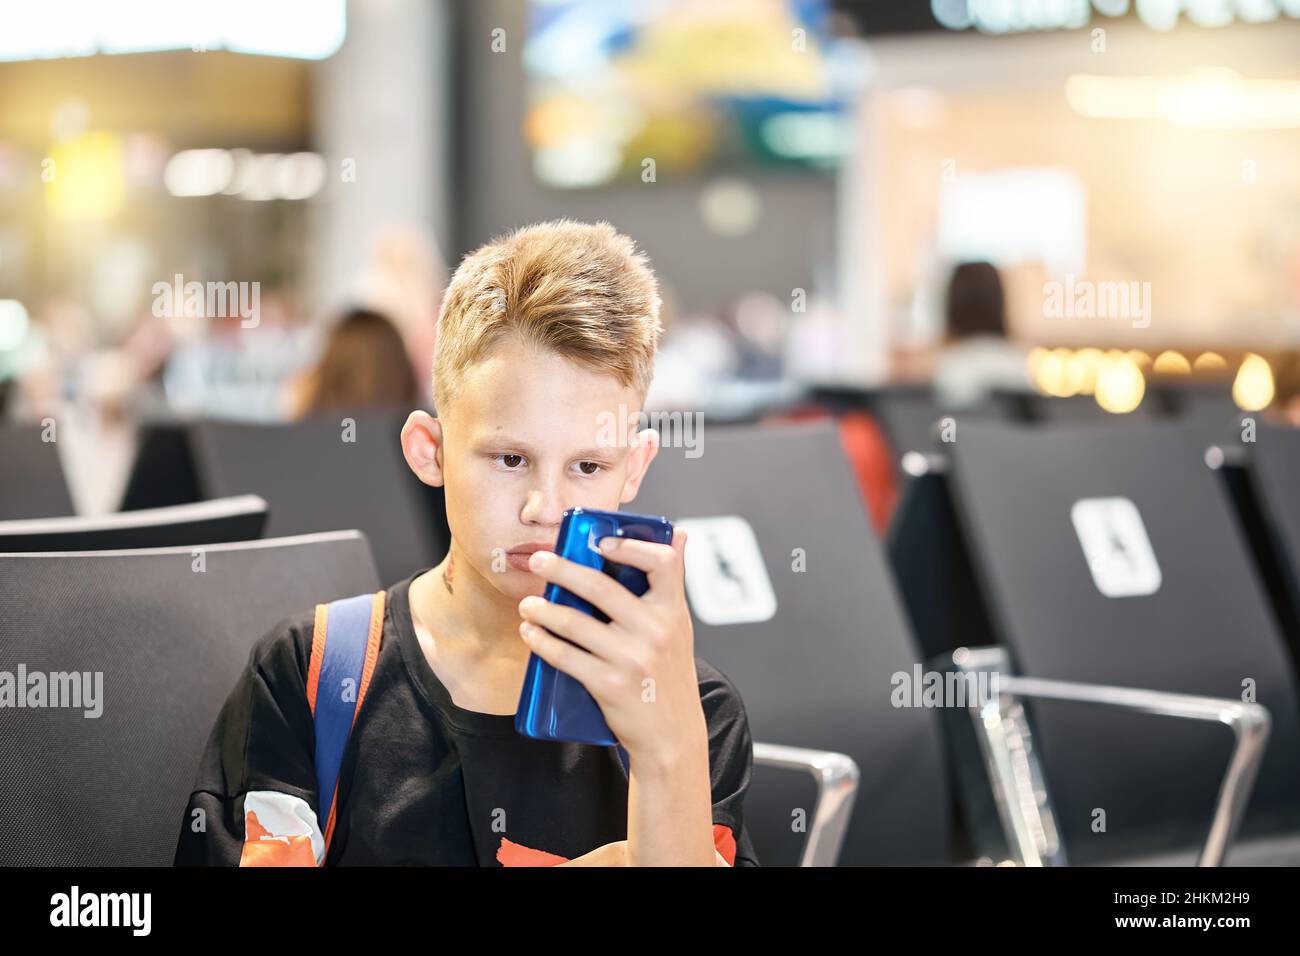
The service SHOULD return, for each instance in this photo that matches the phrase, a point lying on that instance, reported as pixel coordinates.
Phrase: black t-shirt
(423, 781)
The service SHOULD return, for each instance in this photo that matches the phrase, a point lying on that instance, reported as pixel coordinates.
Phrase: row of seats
(326, 474)
(981, 552)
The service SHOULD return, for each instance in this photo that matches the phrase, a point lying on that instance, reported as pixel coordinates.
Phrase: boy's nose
(543, 507)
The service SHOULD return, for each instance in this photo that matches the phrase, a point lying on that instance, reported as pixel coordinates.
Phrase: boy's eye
(511, 461)
(590, 467)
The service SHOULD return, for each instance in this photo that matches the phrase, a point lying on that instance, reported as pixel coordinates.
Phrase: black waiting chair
(1205, 406)
(162, 473)
(793, 601)
(32, 484)
(1262, 476)
(911, 416)
(1107, 565)
(317, 475)
(170, 636)
(203, 523)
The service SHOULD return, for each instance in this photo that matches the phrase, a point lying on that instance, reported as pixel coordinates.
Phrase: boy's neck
(452, 600)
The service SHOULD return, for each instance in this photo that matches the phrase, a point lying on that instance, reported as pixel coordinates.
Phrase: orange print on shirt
(516, 854)
(262, 848)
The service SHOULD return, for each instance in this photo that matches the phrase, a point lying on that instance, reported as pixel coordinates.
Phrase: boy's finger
(583, 667)
(599, 588)
(570, 623)
(660, 562)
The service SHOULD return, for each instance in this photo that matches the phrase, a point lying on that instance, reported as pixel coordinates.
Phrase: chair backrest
(162, 473)
(322, 475)
(203, 523)
(1273, 472)
(169, 633)
(1166, 598)
(1207, 406)
(812, 658)
(1083, 409)
(32, 484)
(911, 415)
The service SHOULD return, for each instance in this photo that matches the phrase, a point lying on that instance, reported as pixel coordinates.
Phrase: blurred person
(404, 277)
(546, 336)
(365, 365)
(977, 357)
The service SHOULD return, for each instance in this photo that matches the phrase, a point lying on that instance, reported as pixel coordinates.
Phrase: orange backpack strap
(344, 648)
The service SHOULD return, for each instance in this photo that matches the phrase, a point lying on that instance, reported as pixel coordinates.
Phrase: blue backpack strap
(344, 648)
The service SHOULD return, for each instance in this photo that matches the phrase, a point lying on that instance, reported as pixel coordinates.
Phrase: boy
(545, 337)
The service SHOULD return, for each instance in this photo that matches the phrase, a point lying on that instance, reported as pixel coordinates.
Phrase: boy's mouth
(517, 557)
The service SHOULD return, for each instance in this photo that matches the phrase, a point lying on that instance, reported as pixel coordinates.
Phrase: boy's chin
(518, 584)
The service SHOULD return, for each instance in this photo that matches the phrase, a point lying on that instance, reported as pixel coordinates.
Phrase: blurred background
(249, 211)
(1069, 227)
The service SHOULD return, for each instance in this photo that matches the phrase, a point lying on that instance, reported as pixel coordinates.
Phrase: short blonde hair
(579, 289)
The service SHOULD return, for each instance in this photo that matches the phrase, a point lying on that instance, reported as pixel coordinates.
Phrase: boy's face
(528, 435)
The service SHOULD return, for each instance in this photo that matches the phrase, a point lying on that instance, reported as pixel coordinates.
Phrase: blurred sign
(726, 579)
(1022, 16)
(305, 29)
(1116, 546)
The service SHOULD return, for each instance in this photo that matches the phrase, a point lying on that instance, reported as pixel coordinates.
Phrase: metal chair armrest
(1250, 724)
(836, 775)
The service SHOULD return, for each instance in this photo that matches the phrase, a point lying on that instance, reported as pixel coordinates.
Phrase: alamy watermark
(194, 299)
(77, 690)
(1083, 299)
(919, 688)
(676, 429)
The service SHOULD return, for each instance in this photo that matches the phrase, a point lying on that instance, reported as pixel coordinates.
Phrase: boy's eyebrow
(505, 441)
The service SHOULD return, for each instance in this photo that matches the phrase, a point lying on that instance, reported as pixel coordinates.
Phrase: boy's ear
(644, 447)
(422, 447)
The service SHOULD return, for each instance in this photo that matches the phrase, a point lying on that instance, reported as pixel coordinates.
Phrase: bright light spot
(1209, 360)
(1204, 99)
(307, 29)
(1082, 369)
(1111, 8)
(13, 324)
(1056, 375)
(730, 207)
(257, 177)
(1140, 358)
(1016, 214)
(1035, 361)
(811, 136)
(1158, 14)
(1171, 363)
(1120, 385)
(240, 172)
(1252, 389)
(300, 175)
(953, 14)
(87, 182)
(198, 172)
(578, 163)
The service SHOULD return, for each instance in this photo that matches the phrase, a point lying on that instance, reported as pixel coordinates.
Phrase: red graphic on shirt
(516, 854)
(263, 848)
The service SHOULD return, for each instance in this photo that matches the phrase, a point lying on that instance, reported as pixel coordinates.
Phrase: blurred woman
(977, 357)
(365, 364)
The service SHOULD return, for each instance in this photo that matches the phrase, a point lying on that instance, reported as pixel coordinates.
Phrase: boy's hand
(640, 667)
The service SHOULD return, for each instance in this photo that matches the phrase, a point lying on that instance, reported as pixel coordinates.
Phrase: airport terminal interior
(977, 393)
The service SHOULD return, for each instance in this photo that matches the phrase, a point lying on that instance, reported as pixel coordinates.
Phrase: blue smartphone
(553, 705)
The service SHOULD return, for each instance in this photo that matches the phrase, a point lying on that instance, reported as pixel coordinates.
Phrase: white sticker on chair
(726, 579)
(1116, 546)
